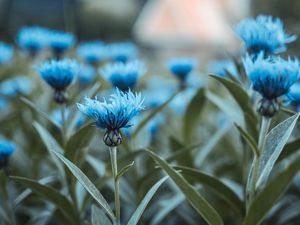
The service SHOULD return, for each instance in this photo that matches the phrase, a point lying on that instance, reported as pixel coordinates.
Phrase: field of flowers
(89, 135)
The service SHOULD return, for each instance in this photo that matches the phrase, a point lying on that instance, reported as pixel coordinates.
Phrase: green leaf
(199, 203)
(238, 93)
(52, 195)
(289, 149)
(124, 170)
(134, 219)
(215, 184)
(151, 115)
(275, 141)
(250, 141)
(87, 184)
(272, 192)
(98, 217)
(51, 145)
(192, 114)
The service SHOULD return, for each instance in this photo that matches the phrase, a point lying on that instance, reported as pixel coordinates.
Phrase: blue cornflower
(33, 38)
(92, 52)
(221, 67)
(122, 51)
(86, 74)
(123, 75)
(6, 53)
(18, 85)
(271, 77)
(7, 148)
(263, 34)
(60, 41)
(59, 75)
(181, 67)
(294, 96)
(114, 114)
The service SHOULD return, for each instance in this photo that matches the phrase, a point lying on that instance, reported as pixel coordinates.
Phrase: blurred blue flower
(123, 75)
(181, 67)
(272, 77)
(221, 67)
(33, 38)
(58, 73)
(115, 113)
(92, 52)
(294, 93)
(60, 41)
(122, 51)
(6, 53)
(263, 34)
(18, 85)
(6, 149)
(57, 117)
(3, 104)
(86, 74)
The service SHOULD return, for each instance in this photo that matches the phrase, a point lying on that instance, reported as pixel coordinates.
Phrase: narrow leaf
(200, 204)
(275, 142)
(124, 170)
(142, 206)
(87, 184)
(98, 217)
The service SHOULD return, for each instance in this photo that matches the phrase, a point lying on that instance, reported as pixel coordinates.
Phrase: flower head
(6, 53)
(122, 51)
(294, 94)
(6, 149)
(181, 67)
(115, 113)
(86, 74)
(60, 41)
(263, 34)
(58, 73)
(123, 75)
(18, 85)
(92, 52)
(33, 38)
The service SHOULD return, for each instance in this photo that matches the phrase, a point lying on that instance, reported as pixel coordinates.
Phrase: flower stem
(63, 125)
(114, 166)
(265, 124)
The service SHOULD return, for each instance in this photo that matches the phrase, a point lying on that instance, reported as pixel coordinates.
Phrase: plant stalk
(265, 124)
(114, 166)
(63, 125)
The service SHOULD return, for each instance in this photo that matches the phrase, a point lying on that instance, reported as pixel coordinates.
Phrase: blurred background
(194, 27)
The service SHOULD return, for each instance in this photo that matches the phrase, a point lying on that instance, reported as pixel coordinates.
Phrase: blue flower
(6, 52)
(3, 104)
(6, 149)
(18, 85)
(272, 77)
(58, 73)
(123, 75)
(115, 113)
(86, 74)
(263, 34)
(60, 41)
(122, 51)
(221, 67)
(181, 67)
(294, 93)
(33, 38)
(92, 52)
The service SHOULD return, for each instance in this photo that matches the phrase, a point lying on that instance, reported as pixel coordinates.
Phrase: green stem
(63, 125)
(114, 166)
(265, 124)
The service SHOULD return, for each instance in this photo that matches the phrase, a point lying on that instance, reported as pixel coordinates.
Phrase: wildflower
(33, 39)
(222, 67)
(271, 78)
(60, 41)
(18, 85)
(92, 52)
(114, 114)
(263, 34)
(181, 68)
(6, 53)
(59, 75)
(86, 74)
(123, 75)
(294, 96)
(122, 51)
(7, 148)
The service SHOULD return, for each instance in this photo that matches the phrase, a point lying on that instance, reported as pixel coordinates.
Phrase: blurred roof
(187, 23)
